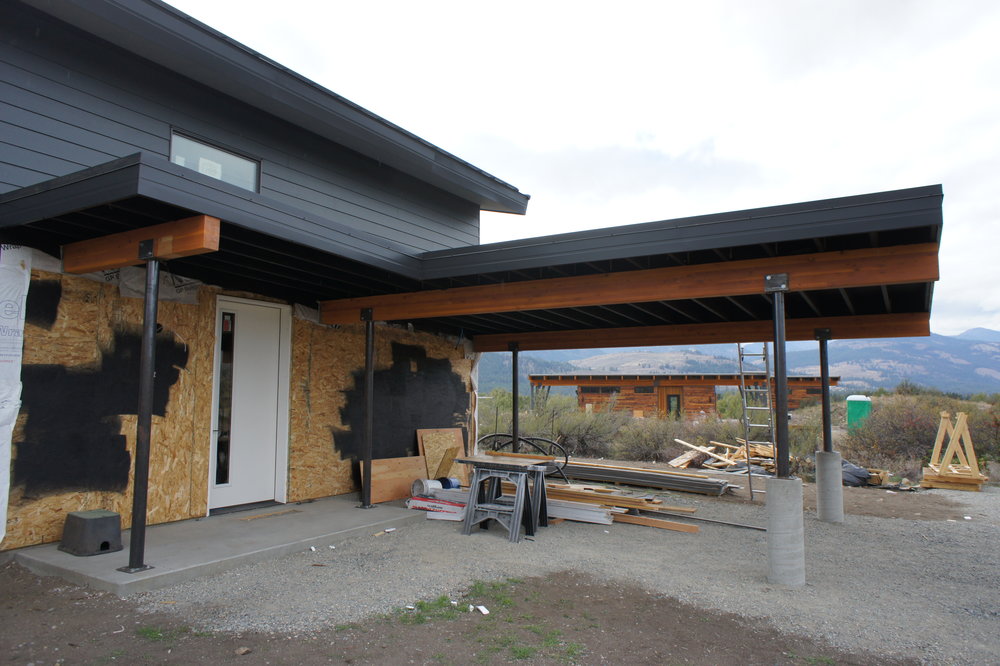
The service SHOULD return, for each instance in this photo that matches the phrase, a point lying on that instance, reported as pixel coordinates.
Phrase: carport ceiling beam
(863, 326)
(867, 267)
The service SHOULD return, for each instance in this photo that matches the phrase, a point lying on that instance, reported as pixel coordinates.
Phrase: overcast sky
(617, 113)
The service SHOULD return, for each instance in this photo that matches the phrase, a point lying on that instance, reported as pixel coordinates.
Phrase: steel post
(515, 426)
(777, 285)
(823, 335)
(144, 421)
(368, 430)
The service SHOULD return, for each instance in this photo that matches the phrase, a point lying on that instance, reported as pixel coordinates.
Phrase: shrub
(649, 439)
(589, 435)
(903, 427)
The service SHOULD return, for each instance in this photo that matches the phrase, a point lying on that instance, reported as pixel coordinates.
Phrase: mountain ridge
(967, 363)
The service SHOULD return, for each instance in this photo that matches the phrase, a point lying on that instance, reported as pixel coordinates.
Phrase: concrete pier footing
(786, 557)
(829, 487)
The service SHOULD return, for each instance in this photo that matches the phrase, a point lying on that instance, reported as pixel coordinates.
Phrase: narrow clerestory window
(215, 162)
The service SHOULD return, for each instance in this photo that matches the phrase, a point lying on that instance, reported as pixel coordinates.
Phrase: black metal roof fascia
(893, 210)
(166, 36)
(156, 178)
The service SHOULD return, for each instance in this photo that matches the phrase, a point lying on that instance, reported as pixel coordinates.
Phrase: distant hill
(494, 370)
(967, 363)
(982, 334)
(947, 363)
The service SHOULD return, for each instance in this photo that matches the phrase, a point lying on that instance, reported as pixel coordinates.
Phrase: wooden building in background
(693, 396)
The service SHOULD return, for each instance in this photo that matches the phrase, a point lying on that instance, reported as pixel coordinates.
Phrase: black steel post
(777, 285)
(515, 429)
(144, 422)
(367, 435)
(823, 334)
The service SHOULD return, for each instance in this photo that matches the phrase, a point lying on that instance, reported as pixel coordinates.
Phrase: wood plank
(704, 450)
(507, 454)
(904, 324)
(668, 472)
(171, 240)
(656, 522)
(444, 467)
(392, 478)
(865, 267)
(624, 501)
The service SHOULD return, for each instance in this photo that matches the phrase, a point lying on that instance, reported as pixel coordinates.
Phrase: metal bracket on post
(146, 249)
(776, 284)
(368, 410)
(823, 335)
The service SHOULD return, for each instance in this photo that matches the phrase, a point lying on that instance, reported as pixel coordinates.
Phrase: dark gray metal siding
(68, 102)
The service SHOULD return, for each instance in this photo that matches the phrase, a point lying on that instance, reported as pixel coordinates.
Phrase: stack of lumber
(649, 478)
(590, 505)
(956, 468)
(722, 456)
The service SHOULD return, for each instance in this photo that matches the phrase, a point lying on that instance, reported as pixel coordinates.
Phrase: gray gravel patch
(918, 589)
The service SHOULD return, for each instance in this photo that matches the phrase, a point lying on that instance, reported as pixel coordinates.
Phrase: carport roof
(864, 265)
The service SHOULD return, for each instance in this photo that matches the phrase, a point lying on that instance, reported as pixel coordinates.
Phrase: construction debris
(649, 478)
(731, 456)
(600, 506)
(656, 522)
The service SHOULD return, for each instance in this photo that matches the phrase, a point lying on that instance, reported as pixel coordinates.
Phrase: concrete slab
(191, 548)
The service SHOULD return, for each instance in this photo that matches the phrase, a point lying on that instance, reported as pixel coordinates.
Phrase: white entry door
(250, 424)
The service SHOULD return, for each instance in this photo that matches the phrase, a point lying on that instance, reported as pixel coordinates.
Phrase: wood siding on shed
(71, 102)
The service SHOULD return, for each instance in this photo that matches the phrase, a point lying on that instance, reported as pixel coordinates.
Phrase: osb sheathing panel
(324, 360)
(89, 313)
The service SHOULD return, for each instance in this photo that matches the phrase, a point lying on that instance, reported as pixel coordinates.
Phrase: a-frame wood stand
(944, 471)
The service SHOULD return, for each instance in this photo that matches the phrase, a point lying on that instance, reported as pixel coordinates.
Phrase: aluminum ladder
(755, 393)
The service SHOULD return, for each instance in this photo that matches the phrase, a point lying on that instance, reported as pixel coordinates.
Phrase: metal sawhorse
(528, 505)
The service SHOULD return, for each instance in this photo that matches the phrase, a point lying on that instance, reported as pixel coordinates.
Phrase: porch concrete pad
(188, 549)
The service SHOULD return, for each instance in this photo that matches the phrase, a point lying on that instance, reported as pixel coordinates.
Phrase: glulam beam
(901, 264)
(861, 326)
(170, 240)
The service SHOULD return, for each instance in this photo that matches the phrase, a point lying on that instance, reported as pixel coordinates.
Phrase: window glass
(215, 162)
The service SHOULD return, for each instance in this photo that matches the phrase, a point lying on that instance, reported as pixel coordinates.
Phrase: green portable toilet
(859, 407)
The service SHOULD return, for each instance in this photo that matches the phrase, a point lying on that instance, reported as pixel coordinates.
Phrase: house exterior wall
(69, 101)
(695, 401)
(74, 439)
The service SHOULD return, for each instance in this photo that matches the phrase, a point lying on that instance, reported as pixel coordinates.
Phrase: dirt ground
(563, 618)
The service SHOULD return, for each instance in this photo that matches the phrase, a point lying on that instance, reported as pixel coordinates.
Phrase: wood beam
(861, 326)
(171, 240)
(901, 264)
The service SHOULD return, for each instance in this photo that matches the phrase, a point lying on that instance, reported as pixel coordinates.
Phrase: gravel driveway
(925, 589)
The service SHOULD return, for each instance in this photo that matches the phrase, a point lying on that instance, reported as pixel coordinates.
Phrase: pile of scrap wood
(587, 504)
(647, 478)
(720, 455)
